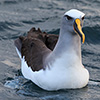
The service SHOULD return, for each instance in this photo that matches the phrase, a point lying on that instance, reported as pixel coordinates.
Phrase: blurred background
(19, 16)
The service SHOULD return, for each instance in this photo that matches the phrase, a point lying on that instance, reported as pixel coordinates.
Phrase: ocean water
(19, 16)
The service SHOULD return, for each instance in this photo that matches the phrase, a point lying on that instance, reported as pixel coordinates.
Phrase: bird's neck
(68, 42)
(67, 47)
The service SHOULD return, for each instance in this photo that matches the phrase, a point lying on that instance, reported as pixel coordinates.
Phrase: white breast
(58, 75)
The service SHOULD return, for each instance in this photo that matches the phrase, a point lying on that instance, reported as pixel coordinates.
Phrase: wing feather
(35, 47)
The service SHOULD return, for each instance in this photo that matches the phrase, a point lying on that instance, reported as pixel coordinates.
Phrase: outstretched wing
(35, 47)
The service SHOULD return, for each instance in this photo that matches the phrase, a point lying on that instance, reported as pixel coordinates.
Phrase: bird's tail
(18, 45)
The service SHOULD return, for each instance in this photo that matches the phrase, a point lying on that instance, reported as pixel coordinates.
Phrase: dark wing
(50, 40)
(35, 47)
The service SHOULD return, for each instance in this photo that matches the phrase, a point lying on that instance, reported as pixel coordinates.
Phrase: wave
(8, 2)
(8, 25)
(92, 34)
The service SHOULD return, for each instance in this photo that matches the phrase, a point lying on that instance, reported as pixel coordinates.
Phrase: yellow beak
(78, 29)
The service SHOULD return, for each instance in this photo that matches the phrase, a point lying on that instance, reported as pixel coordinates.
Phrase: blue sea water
(19, 16)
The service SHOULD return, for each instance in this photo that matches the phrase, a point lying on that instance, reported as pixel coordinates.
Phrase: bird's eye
(68, 17)
(82, 18)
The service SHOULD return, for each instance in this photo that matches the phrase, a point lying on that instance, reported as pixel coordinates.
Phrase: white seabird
(51, 65)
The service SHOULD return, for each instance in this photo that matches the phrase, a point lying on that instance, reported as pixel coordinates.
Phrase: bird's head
(73, 21)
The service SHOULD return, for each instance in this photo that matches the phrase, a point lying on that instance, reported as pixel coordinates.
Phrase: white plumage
(66, 72)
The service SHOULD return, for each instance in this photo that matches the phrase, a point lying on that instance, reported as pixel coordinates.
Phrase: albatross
(54, 62)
